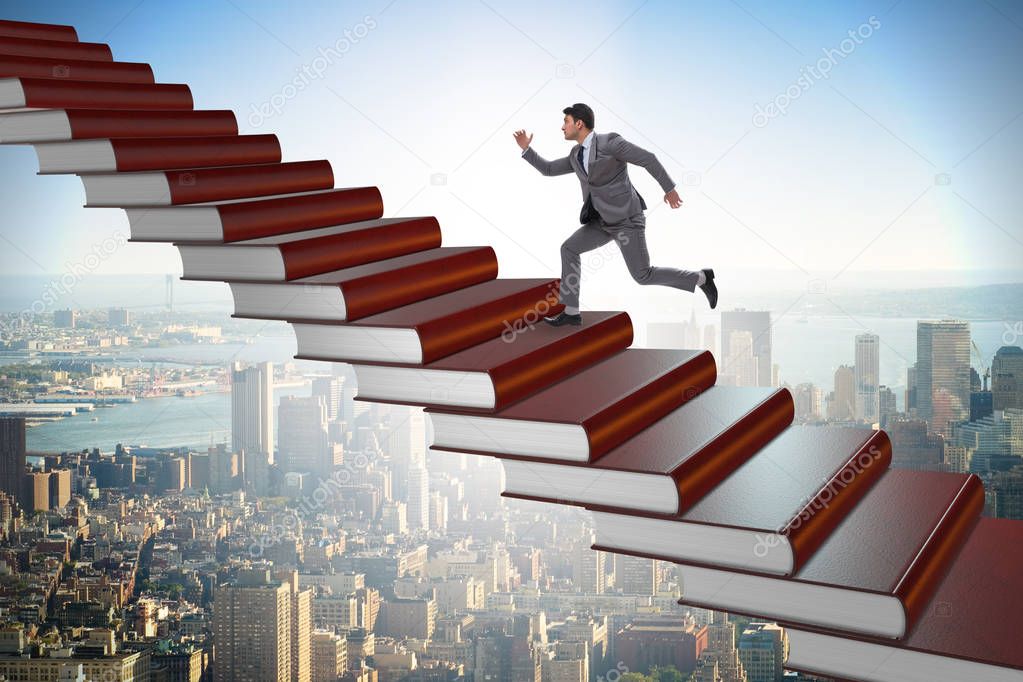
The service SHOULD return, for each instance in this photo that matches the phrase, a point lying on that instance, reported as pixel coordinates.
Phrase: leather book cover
(452, 322)
(535, 358)
(45, 93)
(157, 153)
(55, 49)
(617, 397)
(899, 541)
(14, 66)
(190, 186)
(266, 217)
(113, 123)
(26, 29)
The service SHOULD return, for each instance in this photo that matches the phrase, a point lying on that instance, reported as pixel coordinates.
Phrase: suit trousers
(630, 235)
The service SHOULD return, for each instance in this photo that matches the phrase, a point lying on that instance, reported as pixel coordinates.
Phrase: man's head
(578, 122)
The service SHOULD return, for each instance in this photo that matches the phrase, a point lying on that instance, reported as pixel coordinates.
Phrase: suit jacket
(607, 188)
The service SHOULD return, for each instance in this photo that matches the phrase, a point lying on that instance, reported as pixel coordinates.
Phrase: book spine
(829, 506)
(55, 49)
(216, 184)
(86, 124)
(626, 417)
(253, 219)
(452, 333)
(135, 154)
(58, 94)
(27, 29)
(384, 291)
(931, 564)
(36, 67)
(731, 448)
(542, 367)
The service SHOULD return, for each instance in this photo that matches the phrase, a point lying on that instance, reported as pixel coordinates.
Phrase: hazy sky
(904, 155)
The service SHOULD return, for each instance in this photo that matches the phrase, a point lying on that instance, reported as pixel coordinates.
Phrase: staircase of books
(878, 574)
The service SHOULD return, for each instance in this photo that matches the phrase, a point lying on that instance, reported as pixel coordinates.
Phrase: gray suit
(618, 211)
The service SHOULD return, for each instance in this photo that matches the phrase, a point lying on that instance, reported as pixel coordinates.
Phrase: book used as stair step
(665, 468)
(428, 330)
(62, 125)
(587, 414)
(235, 220)
(26, 29)
(198, 185)
(55, 49)
(769, 514)
(876, 572)
(292, 256)
(370, 286)
(968, 631)
(496, 373)
(48, 93)
(15, 66)
(156, 153)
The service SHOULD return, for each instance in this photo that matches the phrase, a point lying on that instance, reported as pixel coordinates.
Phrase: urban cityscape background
(183, 501)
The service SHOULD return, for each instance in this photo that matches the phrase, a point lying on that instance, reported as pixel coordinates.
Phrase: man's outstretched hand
(672, 199)
(522, 139)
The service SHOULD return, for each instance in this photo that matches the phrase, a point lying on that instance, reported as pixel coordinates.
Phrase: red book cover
(198, 185)
(898, 542)
(452, 322)
(26, 29)
(613, 399)
(382, 285)
(265, 217)
(45, 93)
(117, 123)
(13, 66)
(55, 49)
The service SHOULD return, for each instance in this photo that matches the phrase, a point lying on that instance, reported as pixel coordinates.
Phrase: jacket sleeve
(556, 167)
(623, 150)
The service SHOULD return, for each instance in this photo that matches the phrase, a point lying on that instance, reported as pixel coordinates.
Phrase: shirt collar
(588, 140)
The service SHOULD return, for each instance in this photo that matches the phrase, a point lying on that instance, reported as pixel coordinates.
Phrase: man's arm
(556, 167)
(623, 150)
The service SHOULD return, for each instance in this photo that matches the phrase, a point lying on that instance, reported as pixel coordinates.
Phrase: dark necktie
(581, 148)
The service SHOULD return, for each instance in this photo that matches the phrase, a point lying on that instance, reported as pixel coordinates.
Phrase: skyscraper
(418, 498)
(302, 441)
(1007, 378)
(330, 389)
(252, 629)
(842, 401)
(867, 377)
(763, 648)
(758, 324)
(252, 423)
(12, 456)
(943, 373)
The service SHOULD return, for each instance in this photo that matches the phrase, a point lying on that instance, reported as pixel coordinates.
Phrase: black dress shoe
(563, 318)
(710, 288)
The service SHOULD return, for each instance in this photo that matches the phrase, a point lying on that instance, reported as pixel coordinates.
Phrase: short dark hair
(581, 112)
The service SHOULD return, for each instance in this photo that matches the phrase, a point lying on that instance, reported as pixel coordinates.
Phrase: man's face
(571, 127)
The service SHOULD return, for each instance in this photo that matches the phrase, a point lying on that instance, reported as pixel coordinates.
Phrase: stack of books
(878, 574)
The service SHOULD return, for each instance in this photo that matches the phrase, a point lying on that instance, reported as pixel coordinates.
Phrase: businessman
(612, 209)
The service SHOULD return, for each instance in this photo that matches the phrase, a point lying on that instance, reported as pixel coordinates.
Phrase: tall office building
(758, 324)
(118, 317)
(12, 456)
(1007, 378)
(943, 373)
(252, 629)
(867, 377)
(418, 498)
(252, 419)
(763, 648)
(742, 363)
(842, 401)
(65, 319)
(330, 389)
(635, 575)
(720, 662)
(302, 442)
(886, 406)
(588, 569)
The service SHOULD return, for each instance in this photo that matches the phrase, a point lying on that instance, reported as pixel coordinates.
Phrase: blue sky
(906, 156)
